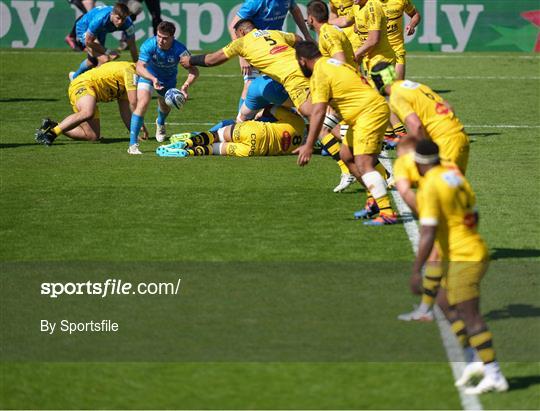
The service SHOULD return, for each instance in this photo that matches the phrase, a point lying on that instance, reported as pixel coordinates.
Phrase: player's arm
(316, 120)
(204, 60)
(144, 72)
(133, 49)
(425, 245)
(193, 75)
(300, 22)
(407, 194)
(245, 67)
(373, 38)
(92, 43)
(415, 20)
(415, 128)
(342, 21)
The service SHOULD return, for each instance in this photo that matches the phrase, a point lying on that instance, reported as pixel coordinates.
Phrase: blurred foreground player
(446, 208)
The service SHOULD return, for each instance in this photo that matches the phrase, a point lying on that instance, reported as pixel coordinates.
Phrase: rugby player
(425, 114)
(158, 69)
(394, 9)
(269, 51)
(92, 30)
(342, 15)
(335, 83)
(446, 210)
(280, 134)
(266, 15)
(109, 82)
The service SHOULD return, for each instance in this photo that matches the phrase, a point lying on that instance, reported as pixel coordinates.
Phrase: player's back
(109, 80)
(269, 51)
(440, 122)
(286, 134)
(333, 39)
(347, 91)
(265, 14)
(394, 9)
(446, 195)
(371, 17)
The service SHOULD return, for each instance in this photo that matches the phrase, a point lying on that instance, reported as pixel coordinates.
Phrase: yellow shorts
(298, 89)
(461, 279)
(79, 89)
(455, 149)
(367, 134)
(248, 140)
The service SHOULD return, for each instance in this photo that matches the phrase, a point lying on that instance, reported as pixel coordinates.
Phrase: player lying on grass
(335, 83)
(92, 30)
(447, 215)
(112, 81)
(158, 70)
(279, 135)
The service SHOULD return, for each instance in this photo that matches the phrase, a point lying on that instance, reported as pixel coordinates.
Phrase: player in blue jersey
(158, 68)
(266, 15)
(92, 30)
(262, 92)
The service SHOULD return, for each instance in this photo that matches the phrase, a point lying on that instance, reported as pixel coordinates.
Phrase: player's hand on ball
(304, 154)
(415, 283)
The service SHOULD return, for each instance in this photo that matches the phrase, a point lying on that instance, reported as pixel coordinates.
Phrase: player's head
(165, 35)
(383, 74)
(119, 14)
(307, 54)
(317, 12)
(426, 156)
(243, 27)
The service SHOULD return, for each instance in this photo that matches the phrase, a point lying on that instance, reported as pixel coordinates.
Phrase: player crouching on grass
(111, 81)
(158, 69)
(446, 211)
(280, 133)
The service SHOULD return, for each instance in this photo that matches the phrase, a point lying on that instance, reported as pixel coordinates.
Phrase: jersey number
(270, 40)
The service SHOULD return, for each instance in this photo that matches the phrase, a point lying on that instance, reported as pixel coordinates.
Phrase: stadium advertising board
(448, 25)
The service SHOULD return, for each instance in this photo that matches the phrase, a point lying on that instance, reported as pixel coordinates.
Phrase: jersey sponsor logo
(252, 144)
(335, 62)
(260, 33)
(452, 178)
(285, 141)
(279, 49)
(410, 84)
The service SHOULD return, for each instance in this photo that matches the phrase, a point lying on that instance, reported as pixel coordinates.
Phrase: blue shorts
(263, 91)
(147, 84)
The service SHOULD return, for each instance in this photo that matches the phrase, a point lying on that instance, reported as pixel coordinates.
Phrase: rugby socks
(161, 116)
(382, 170)
(399, 128)
(458, 328)
(82, 68)
(482, 342)
(389, 133)
(431, 283)
(332, 146)
(135, 128)
(203, 138)
(376, 185)
(205, 150)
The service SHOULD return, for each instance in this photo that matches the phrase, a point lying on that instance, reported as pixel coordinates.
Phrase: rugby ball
(175, 98)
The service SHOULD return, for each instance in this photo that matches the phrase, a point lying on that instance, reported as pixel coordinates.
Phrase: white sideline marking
(469, 56)
(503, 126)
(191, 123)
(451, 346)
(477, 77)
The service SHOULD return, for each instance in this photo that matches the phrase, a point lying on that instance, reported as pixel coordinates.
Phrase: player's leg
(144, 96)
(154, 8)
(163, 111)
(464, 292)
(88, 131)
(87, 64)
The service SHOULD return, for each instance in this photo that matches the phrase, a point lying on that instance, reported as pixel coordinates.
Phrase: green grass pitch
(81, 202)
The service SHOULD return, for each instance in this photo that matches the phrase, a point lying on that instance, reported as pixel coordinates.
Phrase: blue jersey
(98, 23)
(163, 64)
(266, 14)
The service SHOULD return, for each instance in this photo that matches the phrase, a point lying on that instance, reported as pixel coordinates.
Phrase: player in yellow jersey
(394, 9)
(341, 14)
(108, 82)
(425, 114)
(269, 51)
(446, 208)
(370, 24)
(339, 85)
(251, 138)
